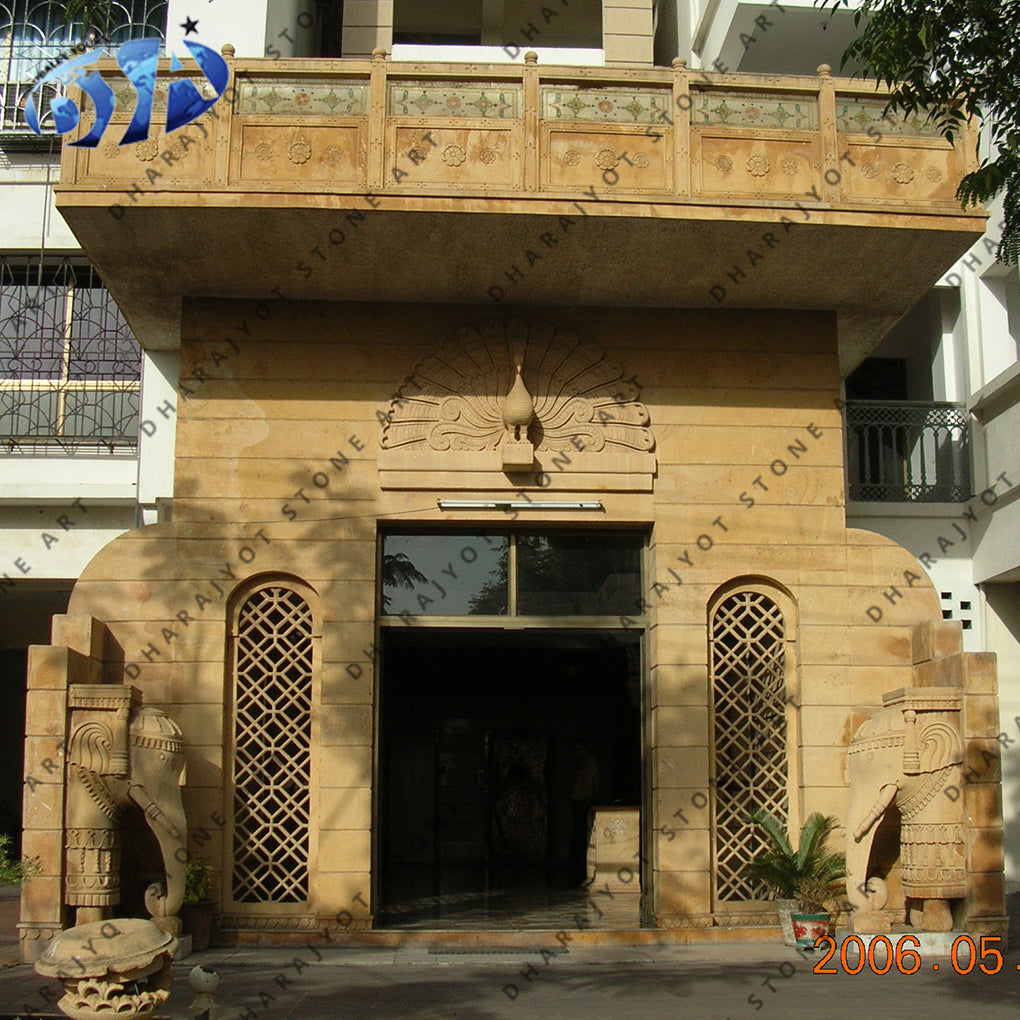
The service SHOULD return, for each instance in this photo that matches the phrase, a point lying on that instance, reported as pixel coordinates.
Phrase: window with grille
(748, 663)
(70, 368)
(34, 36)
(273, 674)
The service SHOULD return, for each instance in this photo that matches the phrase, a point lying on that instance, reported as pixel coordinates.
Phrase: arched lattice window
(748, 662)
(273, 672)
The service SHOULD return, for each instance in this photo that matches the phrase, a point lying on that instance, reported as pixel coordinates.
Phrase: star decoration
(189, 26)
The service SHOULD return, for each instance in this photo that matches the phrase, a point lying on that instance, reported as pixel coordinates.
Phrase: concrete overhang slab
(871, 269)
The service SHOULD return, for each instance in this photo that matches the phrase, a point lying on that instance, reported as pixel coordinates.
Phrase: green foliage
(953, 61)
(14, 871)
(92, 15)
(197, 880)
(783, 869)
(398, 571)
(816, 896)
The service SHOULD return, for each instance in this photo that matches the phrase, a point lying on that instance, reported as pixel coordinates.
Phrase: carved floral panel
(471, 157)
(754, 110)
(607, 106)
(407, 99)
(306, 152)
(724, 164)
(303, 98)
(622, 161)
(184, 155)
(904, 172)
(857, 116)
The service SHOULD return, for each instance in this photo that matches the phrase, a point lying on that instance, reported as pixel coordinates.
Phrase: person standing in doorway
(583, 796)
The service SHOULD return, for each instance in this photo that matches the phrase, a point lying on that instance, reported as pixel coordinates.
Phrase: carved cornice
(103, 697)
(925, 699)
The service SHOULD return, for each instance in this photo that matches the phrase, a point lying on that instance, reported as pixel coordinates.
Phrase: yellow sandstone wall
(277, 390)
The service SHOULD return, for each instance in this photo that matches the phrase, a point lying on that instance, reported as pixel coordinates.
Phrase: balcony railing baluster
(908, 452)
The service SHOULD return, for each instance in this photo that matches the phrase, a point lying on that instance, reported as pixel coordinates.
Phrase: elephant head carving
(119, 752)
(909, 753)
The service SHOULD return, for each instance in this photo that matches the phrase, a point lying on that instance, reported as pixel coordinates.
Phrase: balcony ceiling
(416, 250)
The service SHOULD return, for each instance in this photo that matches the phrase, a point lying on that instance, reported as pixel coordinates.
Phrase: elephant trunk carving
(909, 754)
(121, 752)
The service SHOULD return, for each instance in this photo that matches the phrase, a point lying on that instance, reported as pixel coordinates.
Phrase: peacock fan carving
(520, 387)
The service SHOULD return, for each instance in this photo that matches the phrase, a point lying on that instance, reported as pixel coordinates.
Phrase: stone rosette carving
(571, 157)
(934, 174)
(789, 167)
(723, 164)
(456, 398)
(146, 151)
(300, 152)
(641, 161)
(263, 152)
(333, 155)
(902, 173)
(758, 165)
(487, 156)
(111, 150)
(454, 155)
(607, 160)
(870, 170)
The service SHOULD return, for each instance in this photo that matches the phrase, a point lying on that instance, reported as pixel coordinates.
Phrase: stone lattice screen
(272, 747)
(749, 682)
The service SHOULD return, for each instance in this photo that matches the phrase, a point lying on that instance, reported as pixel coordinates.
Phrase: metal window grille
(272, 747)
(908, 452)
(748, 662)
(33, 36)
(70, 368)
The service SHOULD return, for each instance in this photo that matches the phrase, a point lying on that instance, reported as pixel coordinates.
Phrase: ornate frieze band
(406, 99)
(867, 116)
(607, 106)
(754, 110)
(303, 98)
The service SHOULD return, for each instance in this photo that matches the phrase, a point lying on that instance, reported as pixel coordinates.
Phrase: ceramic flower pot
(807, 928)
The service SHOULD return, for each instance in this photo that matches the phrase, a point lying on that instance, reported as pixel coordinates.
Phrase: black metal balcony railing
(70, 369)
(908, 452)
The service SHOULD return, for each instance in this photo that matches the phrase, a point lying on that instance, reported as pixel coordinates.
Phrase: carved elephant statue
(909, 754)
(119, 752)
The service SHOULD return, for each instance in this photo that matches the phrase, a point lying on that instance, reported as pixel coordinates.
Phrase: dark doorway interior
(478, 735)
(13, 674)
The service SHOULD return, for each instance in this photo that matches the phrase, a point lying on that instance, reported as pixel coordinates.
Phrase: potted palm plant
(198, 907)
(783, 869)
(817, 903)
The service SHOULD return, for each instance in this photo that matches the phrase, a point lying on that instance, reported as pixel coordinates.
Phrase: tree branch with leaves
(93, 16)
(954, 61)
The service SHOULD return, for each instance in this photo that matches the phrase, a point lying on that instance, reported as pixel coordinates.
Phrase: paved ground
(733, 982)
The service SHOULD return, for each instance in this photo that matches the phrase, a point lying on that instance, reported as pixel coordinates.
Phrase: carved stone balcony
(373, 180)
